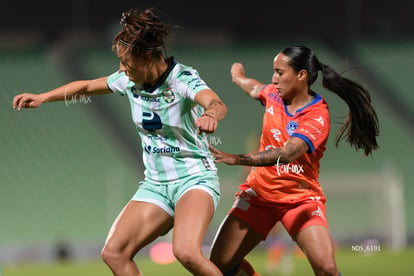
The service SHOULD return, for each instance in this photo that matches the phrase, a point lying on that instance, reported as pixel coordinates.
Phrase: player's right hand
(237, 71)
(223, 157)
(27, 100)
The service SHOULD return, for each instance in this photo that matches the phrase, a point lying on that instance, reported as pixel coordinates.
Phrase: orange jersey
(299, 179)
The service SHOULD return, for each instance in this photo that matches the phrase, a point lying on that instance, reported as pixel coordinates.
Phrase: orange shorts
(295, 216)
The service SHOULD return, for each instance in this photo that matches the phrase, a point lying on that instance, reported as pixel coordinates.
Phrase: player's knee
(326, 269)
(110, 255)
(107, 254)
(187, 255)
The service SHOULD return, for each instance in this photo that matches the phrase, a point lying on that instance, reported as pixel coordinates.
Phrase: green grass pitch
(350, 262)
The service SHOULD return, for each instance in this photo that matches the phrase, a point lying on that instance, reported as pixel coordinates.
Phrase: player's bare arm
(215, 110)
(251, 86)
(214, 107)
(294, 148)
(70, 90)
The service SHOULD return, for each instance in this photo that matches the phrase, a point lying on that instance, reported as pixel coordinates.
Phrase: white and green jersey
(165, 115)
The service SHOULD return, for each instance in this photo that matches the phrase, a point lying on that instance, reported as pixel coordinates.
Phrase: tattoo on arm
(293, 149)
(262, 158)
(213, 109)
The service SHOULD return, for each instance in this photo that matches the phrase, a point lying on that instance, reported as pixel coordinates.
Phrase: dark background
(253, 19)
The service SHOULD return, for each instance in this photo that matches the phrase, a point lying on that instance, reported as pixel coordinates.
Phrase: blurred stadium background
(68, 168)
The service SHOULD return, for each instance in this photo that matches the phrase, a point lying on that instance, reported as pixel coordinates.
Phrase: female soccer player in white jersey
(172, 108)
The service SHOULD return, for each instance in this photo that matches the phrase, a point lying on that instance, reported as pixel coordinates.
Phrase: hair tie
(320, 66)
(137, 48)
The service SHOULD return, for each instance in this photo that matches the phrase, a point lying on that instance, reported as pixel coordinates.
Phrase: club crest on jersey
(291, 127)
(168, 95)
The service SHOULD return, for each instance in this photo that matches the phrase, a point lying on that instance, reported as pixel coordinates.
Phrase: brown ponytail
(142, 32)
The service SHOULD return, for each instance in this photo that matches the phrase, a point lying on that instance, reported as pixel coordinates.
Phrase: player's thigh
(138, 224)
(234, 240)
(316, 242)
(196, 200)
(193, 213)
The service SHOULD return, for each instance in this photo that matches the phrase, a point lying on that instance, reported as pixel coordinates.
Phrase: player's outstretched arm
(251, 86)
(70, 90)
(294, 148)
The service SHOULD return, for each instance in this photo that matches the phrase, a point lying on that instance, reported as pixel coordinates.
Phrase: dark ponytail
(361, 125)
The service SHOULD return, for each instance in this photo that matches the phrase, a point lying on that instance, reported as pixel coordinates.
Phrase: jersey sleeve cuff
(307, 141)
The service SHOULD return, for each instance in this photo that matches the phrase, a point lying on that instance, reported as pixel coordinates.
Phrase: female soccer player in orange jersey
(283, 182)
